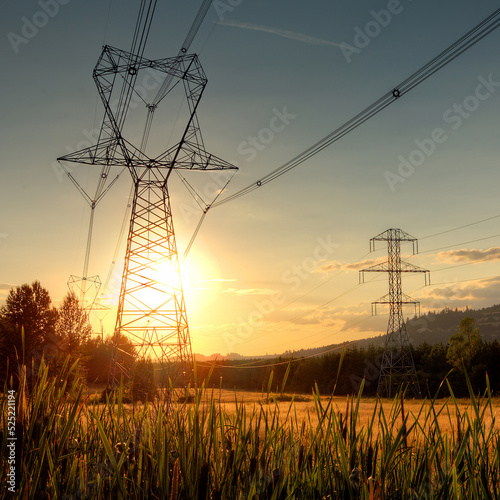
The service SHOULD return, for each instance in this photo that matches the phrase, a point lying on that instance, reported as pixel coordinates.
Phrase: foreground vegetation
(71, 447)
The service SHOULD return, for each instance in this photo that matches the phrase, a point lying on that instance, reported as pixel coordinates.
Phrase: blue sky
(276, 269)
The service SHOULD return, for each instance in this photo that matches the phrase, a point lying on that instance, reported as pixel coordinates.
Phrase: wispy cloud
(216, 280)
(250, 291)
(356, 266)
(472, 255)
(483, 290)
(6, 286)
(299, 37)
(328, 267)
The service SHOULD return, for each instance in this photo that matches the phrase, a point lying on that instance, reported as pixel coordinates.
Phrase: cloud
(477, 293)
(333, 265)
(357, 266)
(6, 286)
(472, 255)
(296, 316)
(216, 280)
(328, 267)
(250, 291)
(299, 37)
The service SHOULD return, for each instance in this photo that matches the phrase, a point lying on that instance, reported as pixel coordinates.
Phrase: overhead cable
(473, 36)
(460, 227)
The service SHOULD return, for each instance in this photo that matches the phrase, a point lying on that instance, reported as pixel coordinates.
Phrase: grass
(221, 445)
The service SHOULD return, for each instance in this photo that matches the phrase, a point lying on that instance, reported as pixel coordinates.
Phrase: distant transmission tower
(397, 368)
(151, 309)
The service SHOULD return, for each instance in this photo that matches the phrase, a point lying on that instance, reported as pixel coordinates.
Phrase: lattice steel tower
(397, 367)
(151, 309)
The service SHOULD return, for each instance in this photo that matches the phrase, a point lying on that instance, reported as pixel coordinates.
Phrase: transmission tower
(151, 308)
(397, 367)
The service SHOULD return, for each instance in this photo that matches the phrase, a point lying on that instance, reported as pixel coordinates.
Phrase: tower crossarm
(393, 235)
(387, 299)
(115, 74)
(388, 267)
(190, 158)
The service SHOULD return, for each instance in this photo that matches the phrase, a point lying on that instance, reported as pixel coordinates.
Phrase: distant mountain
(219, 357)
(433, 328)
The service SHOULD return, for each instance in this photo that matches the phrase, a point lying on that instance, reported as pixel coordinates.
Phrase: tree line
(31, 328)
(344, 372)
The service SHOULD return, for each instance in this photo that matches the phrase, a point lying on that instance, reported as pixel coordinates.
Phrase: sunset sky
(276, 269)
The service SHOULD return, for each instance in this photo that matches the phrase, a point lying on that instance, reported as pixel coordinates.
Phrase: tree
(29, 308)
(73, 325)
(74, 331)
(464, 345)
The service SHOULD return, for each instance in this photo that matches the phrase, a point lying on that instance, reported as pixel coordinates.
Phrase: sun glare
(160, 278)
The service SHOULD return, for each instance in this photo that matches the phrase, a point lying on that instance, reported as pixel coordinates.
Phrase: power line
(460, 227)
(337, 329)
(308, 312)
(466, 264)
(321, 284)
(248, 367)
(457, 281)
(458, 244)
(441, 60)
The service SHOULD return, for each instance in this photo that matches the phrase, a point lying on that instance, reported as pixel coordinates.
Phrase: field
(223, 444)
(304, 407)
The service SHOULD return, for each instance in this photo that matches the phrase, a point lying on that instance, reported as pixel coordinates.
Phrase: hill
(438, 327)
(430, 328)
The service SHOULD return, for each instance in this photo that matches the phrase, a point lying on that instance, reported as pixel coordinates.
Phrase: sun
(161, 278)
